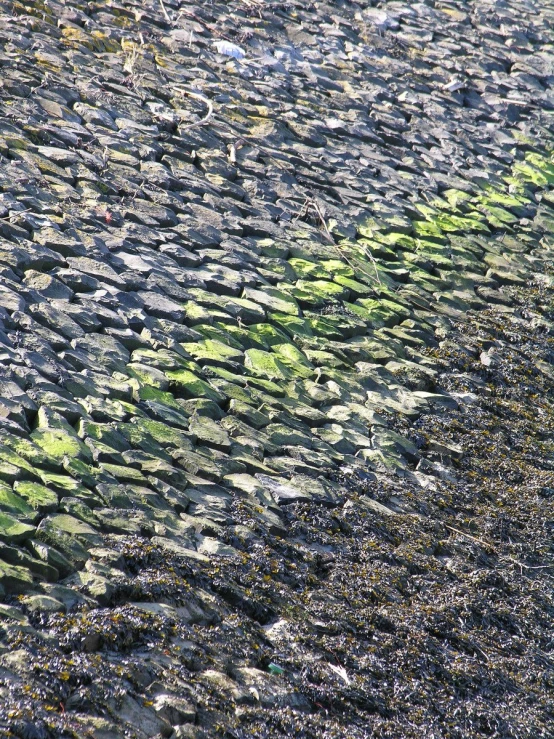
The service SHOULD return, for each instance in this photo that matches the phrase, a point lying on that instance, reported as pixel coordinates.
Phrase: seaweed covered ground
(276, 369)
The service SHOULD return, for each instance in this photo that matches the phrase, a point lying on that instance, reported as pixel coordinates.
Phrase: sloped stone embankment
(276, 369)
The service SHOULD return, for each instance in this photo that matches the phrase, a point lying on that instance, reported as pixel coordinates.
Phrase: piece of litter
(229, 49)
(341, 672)
(453, 86)
(275, 669)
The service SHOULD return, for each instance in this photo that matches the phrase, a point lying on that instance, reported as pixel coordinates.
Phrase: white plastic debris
(341, 672)
(229, 49)
(453, 85)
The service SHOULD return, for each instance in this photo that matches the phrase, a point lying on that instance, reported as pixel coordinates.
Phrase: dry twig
(202, 99)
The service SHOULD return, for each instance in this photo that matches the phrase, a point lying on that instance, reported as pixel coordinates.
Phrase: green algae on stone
(237, 336)
(30, 451)
(353, 286)
(13, 578)
(161, 359)
(162, 433)
(397, 240)
(267, 335)
(306, 269)
(266, 365)
(291, 356)
(191, 386)
(10, 460)
(49, 555)
(327, 291)
(323, 326)
(215, 352)
(68, 536)
(122, 473)
(429, 229)
(14, 530)
(195, 314)
(37, 496)
(63, 484)
(147, 375)
(80, 471)
(58, 444)
(104, 433)
(208, 432)
(273, 300)
(160, 396)
(291, 326)
(14, 504)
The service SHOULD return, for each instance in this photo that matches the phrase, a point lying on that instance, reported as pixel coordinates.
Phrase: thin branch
(202, 99)
(490, 545)
(164, 11)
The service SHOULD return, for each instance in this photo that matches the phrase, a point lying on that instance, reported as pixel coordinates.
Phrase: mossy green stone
(195, 313)
(273, 299)
(294, 359)
(160, 396)
(396, 240)
(232, 390)
(498, 214)
(80, 471)
(14, 504)
(59, 443)
(337, 268)
(68, 535)
(267, 365)
(353, 286)
(361, 312)
(236, 336)
(267, 385)
(13, 530)
(304, 268)
(267, 334)
(546, 166)
(37, 496)
(104, 433)
(325, 359)
(225, 374)
(428, 228)
(8, 456)
(504, 199)
(15, 579)
(530, 174)
(229, 335)
(213, 349)
(123, 474)
(49, 419)
(162, 433)
(456, 197)
(147, 375)
(324, 289)
(291, 325)
(365, 248)
(305, 297)
(60, 483)
(30, 451)
(322, 327)
(192, 386)
(162, 359)
(459, 224)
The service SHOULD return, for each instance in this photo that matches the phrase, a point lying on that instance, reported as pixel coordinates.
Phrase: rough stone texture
(276, 369)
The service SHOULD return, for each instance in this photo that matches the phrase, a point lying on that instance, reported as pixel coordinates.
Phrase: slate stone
(216, 320)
